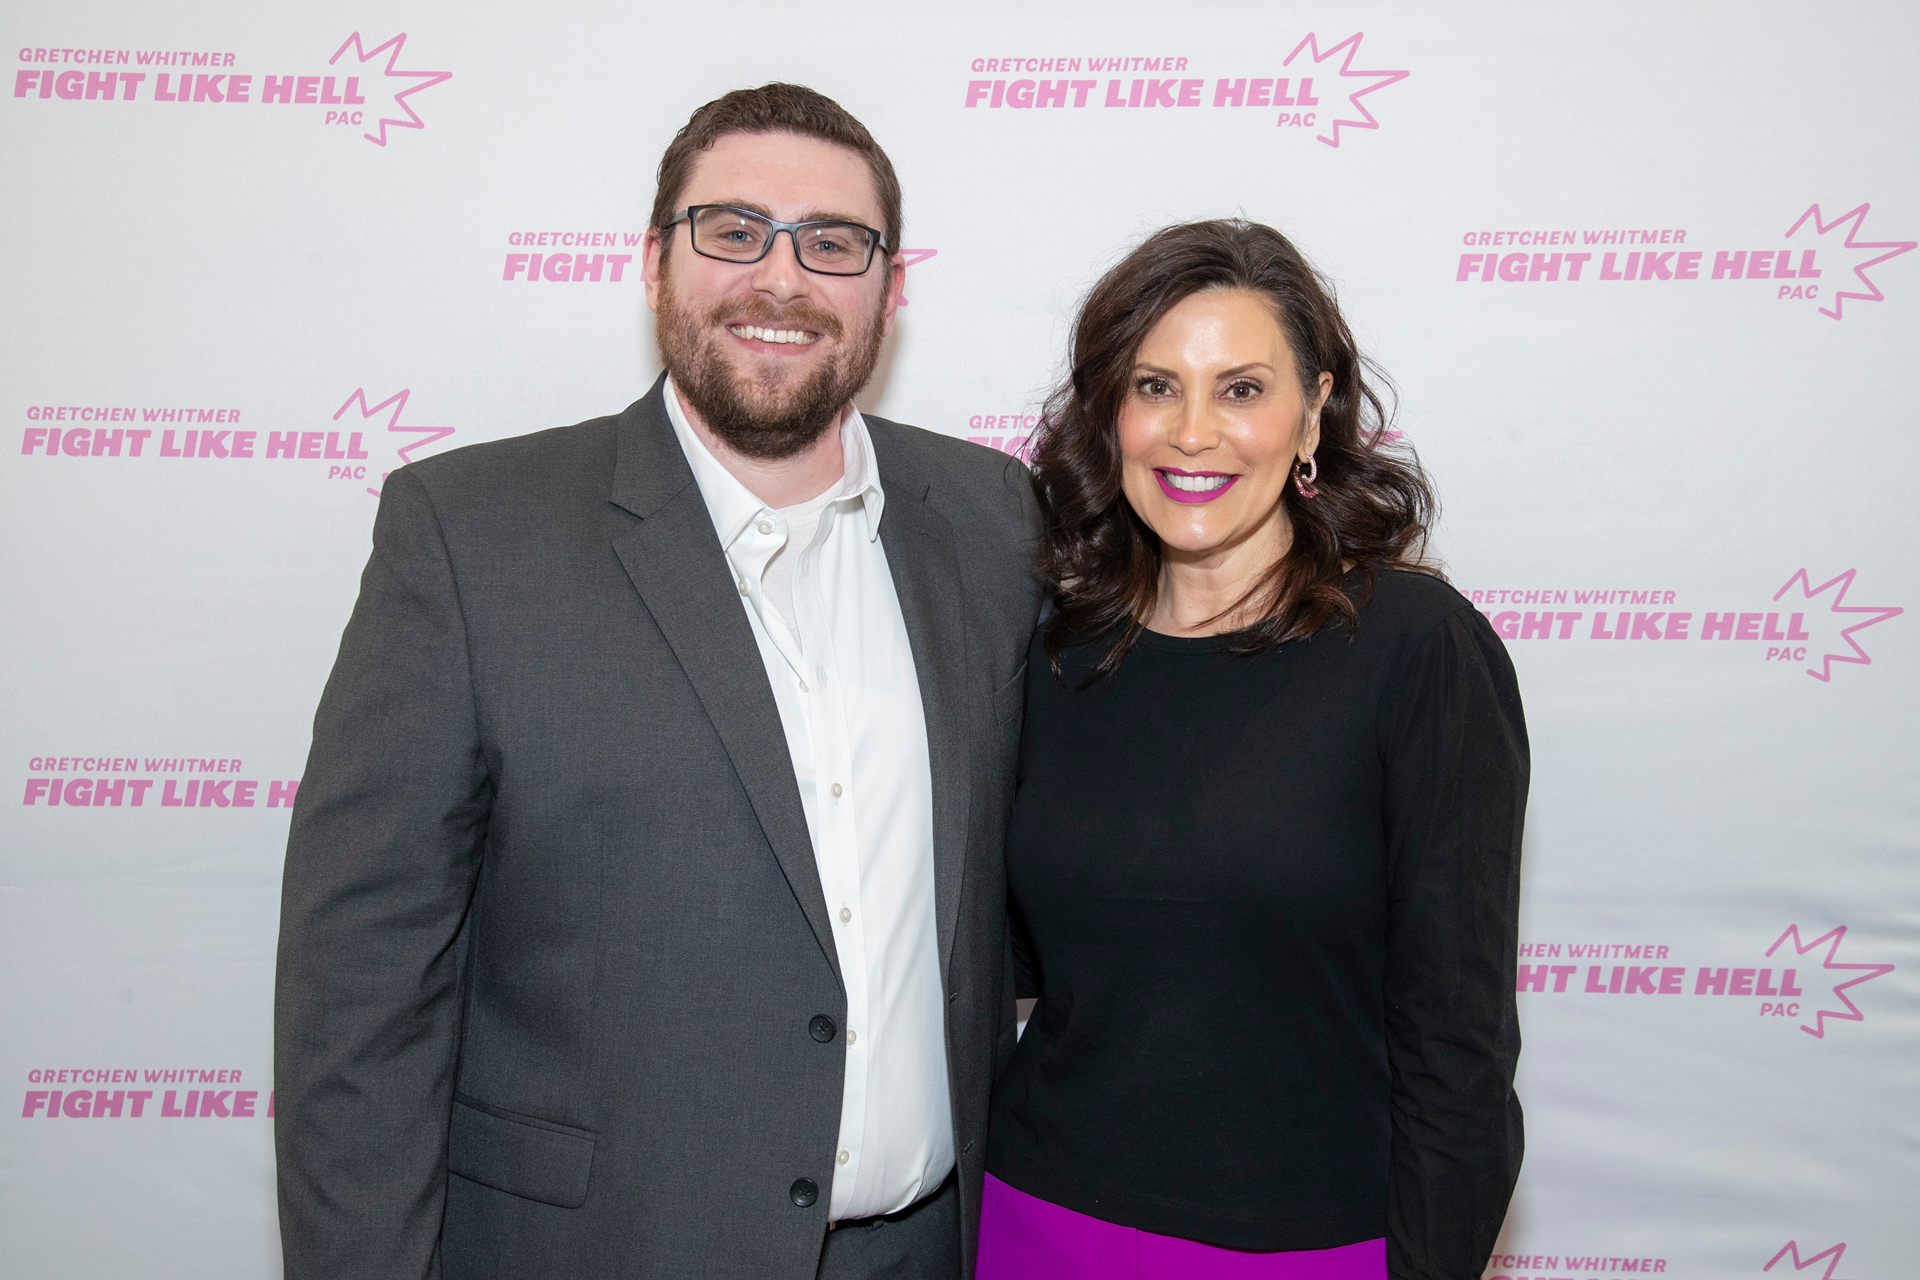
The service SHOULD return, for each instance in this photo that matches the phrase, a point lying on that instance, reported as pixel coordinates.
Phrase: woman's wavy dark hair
(1374, 505)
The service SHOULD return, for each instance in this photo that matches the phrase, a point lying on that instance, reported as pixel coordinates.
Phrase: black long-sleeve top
(1268, 904)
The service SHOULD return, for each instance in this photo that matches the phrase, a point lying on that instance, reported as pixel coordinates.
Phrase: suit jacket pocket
(1010, 697)
(518, 1154)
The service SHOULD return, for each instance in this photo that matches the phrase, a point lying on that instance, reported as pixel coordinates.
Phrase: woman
(1264, 858)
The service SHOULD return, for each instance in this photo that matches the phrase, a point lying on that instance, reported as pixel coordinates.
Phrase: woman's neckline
(1219, 641)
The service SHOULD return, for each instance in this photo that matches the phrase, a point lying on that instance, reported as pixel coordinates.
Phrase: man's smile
(779, 337)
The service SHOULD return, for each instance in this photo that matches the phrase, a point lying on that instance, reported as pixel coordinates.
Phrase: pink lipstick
(1208, 487)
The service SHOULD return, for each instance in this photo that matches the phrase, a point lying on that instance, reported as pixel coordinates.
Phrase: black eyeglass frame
(793, 229)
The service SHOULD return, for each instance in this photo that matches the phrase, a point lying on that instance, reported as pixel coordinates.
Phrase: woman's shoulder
(1408, 601)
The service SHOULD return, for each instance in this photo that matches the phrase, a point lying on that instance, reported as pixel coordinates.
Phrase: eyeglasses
(739, 235)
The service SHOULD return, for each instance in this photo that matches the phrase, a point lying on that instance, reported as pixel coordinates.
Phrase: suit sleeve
(381, 864)
(1457, 771)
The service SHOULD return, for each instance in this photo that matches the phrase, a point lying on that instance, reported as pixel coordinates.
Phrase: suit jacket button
(803, 1192)
(821, 1028)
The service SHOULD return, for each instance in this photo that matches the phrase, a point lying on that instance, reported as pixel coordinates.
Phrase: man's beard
(757, 417)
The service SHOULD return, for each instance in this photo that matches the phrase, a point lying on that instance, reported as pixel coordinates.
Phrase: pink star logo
(1867, 972)
(1833, 1254)
(1379, 80)
(910, 256)
(422, 80)
(398, 401)
(1877, 613)
(1852, 220)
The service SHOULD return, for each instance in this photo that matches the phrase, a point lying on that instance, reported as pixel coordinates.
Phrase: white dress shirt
(814, 581)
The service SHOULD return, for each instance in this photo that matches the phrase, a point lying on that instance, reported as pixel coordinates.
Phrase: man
(643, 911)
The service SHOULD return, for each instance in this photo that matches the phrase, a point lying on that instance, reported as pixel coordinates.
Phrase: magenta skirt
(1023, 1237)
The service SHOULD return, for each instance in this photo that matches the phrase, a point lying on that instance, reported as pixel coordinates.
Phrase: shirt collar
(732, 506)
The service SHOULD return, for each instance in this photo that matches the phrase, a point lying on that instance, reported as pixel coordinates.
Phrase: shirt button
(846, 914)
(842, 1158)
(836, 791)
(742, 584)
(850, 1036)
(764, 527)
(803, 689)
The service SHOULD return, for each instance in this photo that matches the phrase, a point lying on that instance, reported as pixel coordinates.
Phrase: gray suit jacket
(551, 932)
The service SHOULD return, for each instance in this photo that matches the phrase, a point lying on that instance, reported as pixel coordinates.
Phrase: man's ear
(651, 266)
(896, 286)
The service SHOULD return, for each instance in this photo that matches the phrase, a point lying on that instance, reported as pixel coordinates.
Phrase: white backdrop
(1639, 270)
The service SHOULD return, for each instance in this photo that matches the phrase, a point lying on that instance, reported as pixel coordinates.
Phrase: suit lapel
(926, 576)
(676, 564)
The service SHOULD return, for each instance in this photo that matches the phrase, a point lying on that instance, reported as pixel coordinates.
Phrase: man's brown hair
(774, 108)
